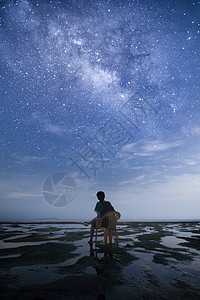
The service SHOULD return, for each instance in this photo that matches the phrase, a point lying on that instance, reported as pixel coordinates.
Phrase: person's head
(100, 195)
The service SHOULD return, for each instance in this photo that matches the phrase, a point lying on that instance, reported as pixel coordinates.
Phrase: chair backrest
(113, 216)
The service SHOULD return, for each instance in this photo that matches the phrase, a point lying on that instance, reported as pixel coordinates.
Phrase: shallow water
(4, 245)
(172, 241)
(161, 265)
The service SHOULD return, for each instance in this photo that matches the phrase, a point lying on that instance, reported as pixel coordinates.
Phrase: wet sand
(54, 261)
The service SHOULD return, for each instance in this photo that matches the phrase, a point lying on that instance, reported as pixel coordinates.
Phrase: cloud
(147, 149)
(55, 129)
(191, 130)
(21, 195)
(21, 186)
(166, 198)
(46, 124)
(195, 130)
(129, 147)
(192, 162)
(18, 158)
(155, 146)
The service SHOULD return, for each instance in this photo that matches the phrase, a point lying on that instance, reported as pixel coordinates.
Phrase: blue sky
(106, 93)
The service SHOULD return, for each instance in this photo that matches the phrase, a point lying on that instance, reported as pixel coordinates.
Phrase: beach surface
(154, 260)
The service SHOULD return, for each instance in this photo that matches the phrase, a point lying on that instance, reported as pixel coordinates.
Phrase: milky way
(69, 71)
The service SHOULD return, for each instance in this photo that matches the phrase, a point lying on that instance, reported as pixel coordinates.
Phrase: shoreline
(118, 223)
(154, 260)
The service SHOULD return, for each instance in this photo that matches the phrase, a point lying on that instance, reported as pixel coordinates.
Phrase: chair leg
(116, 237)
(110, 236)
(96, 236)
(105, 237)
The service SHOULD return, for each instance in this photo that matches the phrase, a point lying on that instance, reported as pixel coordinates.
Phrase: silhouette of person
(102, 207)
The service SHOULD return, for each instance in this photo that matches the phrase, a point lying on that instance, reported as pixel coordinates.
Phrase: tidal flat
(154, 260)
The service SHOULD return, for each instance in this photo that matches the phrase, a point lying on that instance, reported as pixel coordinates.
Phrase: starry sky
(106, 93)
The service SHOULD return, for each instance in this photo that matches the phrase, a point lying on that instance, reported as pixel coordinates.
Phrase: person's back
(102, 207)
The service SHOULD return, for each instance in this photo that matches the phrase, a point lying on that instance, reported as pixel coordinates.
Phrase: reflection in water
(94, 252)
(101, 297)
(99, 270)
(172, 241)
(91, 251)
(21, 244)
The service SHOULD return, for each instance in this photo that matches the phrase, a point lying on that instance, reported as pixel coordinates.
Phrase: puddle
(10, 256)
(16, 237)
(90, 270)
(21, 244)
(172, 242)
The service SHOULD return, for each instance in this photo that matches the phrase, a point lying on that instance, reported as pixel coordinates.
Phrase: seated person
(102, 207)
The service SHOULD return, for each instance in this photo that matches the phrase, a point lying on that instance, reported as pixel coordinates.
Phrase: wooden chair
(113, 217)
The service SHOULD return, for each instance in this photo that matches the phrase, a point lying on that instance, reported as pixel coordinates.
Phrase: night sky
(105, 96)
